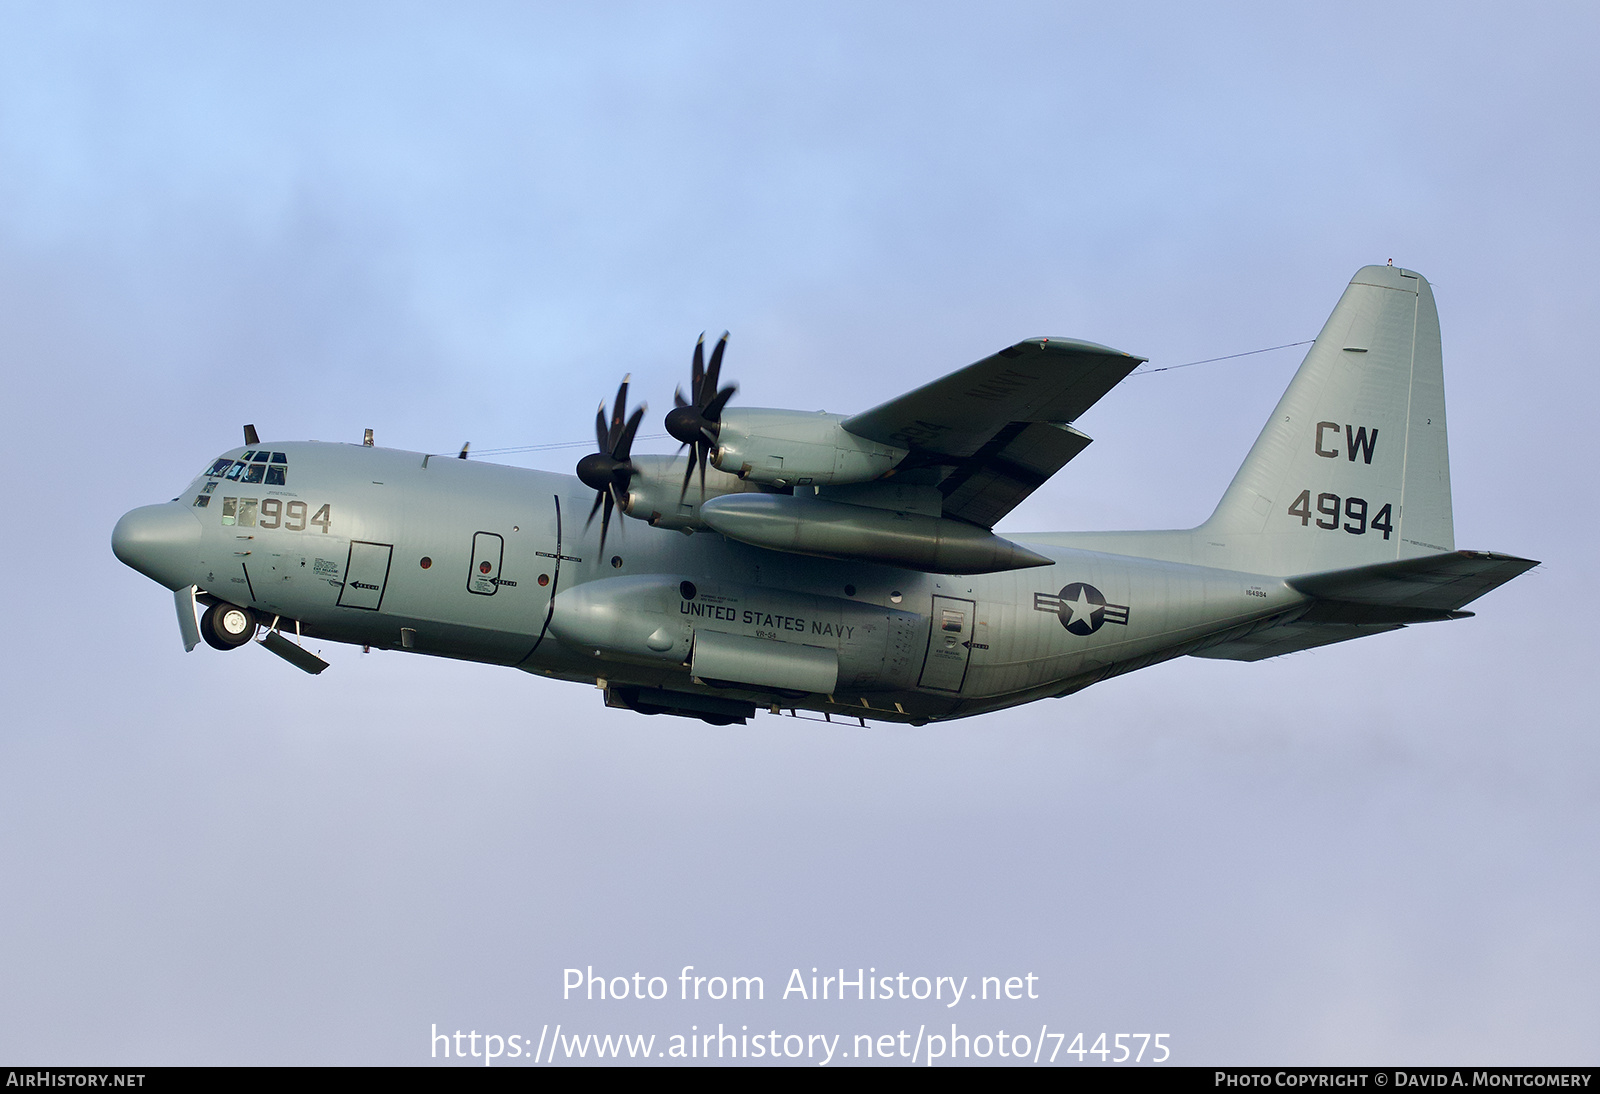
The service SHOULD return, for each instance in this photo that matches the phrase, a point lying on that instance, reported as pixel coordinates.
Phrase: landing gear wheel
(227, 627)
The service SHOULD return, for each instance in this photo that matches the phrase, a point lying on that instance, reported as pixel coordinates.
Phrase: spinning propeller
(609, 470)
(696, 423)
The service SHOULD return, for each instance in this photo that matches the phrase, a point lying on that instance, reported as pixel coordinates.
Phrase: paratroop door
(949, 644)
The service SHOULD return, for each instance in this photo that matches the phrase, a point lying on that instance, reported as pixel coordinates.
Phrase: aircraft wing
(998, 429)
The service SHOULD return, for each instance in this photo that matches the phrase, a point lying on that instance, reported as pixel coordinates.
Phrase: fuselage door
(488, 550)
(365, 575)
(949, 644)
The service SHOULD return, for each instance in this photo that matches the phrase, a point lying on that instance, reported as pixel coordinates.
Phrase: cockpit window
(255, 466)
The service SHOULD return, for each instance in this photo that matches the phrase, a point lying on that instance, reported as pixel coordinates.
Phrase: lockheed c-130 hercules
(845, 564)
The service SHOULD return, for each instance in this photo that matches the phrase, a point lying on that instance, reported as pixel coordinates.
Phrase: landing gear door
(365, 575)
(949, 644)
(488, 550)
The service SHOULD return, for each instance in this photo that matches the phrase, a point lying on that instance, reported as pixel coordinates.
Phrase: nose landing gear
(227, 626)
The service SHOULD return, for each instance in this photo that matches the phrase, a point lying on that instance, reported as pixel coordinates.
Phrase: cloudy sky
(451, 226)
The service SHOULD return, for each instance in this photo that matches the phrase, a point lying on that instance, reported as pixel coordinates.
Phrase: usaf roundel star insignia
(1081, 608)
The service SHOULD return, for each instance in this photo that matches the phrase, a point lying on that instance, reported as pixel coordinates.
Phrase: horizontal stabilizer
(1290, 638)
(1441, 583)
(1363, 600)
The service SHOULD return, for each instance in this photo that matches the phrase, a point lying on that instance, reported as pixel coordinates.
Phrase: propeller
(696, 421)
(608, 471)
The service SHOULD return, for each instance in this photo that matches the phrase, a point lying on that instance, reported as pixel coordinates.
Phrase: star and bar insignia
(1081, 608)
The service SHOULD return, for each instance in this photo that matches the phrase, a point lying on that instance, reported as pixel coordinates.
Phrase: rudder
(1353, 467)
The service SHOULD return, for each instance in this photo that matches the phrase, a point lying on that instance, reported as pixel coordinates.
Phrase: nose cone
(160, 541)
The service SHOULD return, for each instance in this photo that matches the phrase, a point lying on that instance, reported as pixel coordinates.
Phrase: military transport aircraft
(845, 564)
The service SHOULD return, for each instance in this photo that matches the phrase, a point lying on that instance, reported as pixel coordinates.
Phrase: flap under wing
(1016, 462)
(1040, 380)
(991, 433)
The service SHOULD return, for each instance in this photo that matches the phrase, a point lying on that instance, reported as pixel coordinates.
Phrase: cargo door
(949, 644)
(366, 572)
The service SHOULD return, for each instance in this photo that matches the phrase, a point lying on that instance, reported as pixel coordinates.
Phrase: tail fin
(1353, 467)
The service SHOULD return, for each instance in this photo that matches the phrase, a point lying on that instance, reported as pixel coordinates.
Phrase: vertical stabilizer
(1353, 466)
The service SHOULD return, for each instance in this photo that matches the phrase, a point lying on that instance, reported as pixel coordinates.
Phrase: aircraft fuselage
(482, 562)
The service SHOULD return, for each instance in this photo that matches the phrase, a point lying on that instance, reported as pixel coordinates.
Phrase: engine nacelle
(657, 484)
(829, 529)
(793, 448)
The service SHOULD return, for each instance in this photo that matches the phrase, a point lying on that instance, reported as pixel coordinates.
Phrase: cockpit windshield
(254, 466)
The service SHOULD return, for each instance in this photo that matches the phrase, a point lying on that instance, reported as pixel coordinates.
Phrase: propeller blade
(605, 518)
(713, 411)
(696, 422)
(714, 370)
(617, 410)
(688, 475)
(598, 494)
(600, 429)
(677, 397)
(625, 443)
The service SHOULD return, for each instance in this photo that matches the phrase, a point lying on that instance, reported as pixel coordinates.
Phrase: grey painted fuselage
(1338, 525)
(388, 511)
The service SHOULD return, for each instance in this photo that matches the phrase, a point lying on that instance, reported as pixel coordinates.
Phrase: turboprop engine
(782, 448)
(793, 448)
(655, 492)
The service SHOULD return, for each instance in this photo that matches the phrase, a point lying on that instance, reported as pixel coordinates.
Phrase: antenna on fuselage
(250, 435)
(366, 438)
(463, 453)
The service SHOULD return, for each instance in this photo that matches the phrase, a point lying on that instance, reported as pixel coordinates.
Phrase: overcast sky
(452, 227)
